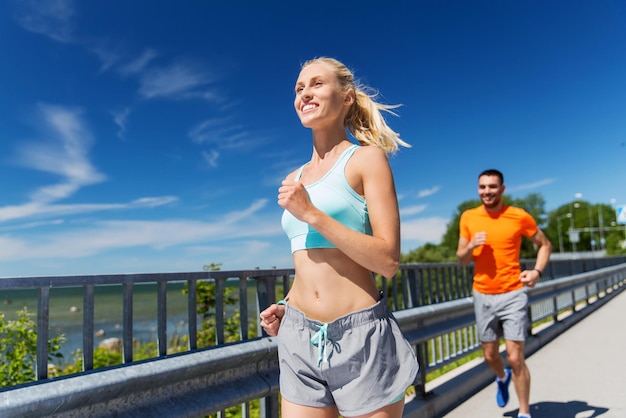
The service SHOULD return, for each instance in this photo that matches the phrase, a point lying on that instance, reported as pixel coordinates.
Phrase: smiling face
(320, 101)
(490, 190)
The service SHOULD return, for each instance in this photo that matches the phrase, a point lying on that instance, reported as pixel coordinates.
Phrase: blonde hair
(364, 120)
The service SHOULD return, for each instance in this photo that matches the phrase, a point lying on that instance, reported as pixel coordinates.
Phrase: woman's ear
(350, 97)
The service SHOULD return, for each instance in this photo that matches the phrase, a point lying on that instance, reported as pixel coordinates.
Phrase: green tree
(450, 238)
(535, 205)
(428, 253)
(593, 225)
(18, 349)
(206, 305)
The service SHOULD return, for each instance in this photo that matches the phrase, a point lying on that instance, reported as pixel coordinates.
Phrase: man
(491, 236)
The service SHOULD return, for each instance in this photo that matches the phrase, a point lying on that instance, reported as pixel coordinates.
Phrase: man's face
(490, 191)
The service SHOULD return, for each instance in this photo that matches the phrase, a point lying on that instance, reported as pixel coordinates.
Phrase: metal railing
(431, 301)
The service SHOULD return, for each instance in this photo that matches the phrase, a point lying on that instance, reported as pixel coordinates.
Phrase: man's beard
(494, 203)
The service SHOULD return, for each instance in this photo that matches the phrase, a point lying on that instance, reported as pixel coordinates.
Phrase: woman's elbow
(391, 268)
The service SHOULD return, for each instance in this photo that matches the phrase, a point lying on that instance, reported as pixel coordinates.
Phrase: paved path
(580, 374)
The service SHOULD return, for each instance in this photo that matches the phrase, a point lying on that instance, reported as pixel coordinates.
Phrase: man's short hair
(493, 172)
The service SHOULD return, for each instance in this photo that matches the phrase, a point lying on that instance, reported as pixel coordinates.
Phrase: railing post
(162, 317)
(43, 320)
(243, 308)
(269, 407)
(266, 291)
(88, 331)
(127, 322)
(412, 286)
(219, 311)
(192, 313)
(421, 352)
(555, 309)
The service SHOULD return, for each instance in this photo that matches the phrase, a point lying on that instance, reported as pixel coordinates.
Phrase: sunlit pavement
(580, 374)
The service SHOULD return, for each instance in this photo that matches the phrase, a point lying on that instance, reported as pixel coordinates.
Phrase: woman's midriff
(329, 285)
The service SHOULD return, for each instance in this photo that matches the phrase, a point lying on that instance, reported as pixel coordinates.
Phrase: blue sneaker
(502, 397)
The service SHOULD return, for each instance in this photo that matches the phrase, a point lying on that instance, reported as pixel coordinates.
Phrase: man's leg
(521, 374)
(495, 362)
(493, 358)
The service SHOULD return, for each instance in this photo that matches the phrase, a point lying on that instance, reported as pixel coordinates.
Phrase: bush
(18, 349)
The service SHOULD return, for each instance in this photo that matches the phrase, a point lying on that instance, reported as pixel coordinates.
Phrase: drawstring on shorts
(320, 340)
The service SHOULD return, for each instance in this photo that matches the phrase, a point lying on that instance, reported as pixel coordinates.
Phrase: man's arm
(530, 277)
(464, 250)
(543, 251)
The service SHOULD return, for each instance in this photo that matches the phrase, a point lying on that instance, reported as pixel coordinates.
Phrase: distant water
(108, 305)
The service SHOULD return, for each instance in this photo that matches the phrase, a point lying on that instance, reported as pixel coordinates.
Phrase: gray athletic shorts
(501, 315)
(360, 362)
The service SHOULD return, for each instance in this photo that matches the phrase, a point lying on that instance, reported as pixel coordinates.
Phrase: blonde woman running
(341, 351)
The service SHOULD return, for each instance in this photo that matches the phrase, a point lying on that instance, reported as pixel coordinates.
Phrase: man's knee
(491, 352)
(516, 358)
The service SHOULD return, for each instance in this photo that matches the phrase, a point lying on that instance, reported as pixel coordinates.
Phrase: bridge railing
(431, 301)
(416, 285)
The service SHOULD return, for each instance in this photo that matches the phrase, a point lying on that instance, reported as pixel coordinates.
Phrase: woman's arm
(369, 173)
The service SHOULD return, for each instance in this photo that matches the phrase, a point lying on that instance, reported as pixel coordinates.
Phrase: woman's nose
(306, 93)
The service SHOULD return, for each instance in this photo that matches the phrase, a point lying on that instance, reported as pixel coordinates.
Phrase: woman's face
(319, 101)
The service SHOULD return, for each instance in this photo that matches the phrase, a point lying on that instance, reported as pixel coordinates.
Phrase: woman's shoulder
(370, 153)
(370, 156)
(292, 175)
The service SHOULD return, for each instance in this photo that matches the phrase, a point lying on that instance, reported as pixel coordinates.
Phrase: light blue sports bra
(332, 195)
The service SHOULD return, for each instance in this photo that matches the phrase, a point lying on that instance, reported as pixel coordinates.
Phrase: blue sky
(151, 136)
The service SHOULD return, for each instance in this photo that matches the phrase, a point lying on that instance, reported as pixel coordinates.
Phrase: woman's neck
(329, 144)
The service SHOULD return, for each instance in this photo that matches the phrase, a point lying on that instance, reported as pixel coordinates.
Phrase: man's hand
(479, 239)
(529, 277)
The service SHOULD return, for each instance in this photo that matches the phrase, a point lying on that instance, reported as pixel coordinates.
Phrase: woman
(340, 349)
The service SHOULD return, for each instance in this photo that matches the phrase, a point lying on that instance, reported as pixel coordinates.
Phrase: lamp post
(592, 242)
(573, 234)
(601, 228)
(558, 225)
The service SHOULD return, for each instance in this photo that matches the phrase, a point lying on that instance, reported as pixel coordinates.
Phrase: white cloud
(210, 157)
(222, 134)
(412, 210)
(236, 216)
(32, 225)
(51, 18)
(179, 81)
(531, 186)
(35, 209)
(103, 236)
(64, 152)
(424, 230)
(151, 202)
(138, 64)
(108, 56)
(428, 192)
(244, 254)
(120, 118)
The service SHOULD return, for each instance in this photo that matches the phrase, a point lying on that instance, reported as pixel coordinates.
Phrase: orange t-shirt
(496, 263)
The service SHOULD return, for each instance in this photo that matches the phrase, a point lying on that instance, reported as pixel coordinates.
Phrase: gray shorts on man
(501, 315)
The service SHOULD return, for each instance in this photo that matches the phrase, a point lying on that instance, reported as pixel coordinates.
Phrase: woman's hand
(293, 197)
(270, 319)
